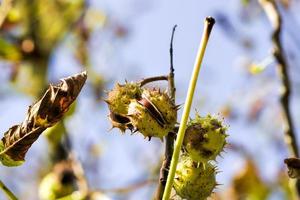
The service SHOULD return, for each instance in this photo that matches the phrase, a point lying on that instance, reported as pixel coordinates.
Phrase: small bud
(204, 138)
(194, 181)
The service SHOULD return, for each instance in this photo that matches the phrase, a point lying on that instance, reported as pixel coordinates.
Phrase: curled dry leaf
(43, 114)
(293, 165)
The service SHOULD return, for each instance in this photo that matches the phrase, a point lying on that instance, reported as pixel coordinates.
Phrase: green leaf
(9, 51)
(43, 114)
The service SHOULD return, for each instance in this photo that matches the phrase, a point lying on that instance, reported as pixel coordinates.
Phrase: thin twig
(7, 191)
(129, 188)
(171, 52)
(208, 25)
(164, 170)
(172, 88)
(152, 79)
(4, 9)
(274, 16)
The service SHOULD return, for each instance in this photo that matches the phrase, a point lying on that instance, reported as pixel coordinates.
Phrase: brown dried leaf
(41, 115)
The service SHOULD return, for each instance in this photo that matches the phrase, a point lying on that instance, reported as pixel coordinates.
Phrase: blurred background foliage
(43, 41)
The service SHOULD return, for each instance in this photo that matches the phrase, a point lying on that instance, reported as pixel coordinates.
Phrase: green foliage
(39, 33)
(9, 51)
(29, 35)
(36, 25)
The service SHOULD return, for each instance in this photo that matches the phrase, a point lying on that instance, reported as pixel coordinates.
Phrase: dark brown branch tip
(171, 50)
(210, 21)
(208, 25)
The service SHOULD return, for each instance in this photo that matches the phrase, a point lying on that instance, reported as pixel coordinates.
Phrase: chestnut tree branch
(170, 138)
(274, 16)
(275, 19)
(152, 79)
(129, 188)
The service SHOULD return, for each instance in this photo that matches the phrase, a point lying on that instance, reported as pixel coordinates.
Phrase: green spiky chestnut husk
(118, 100)
(194, 181)
(121, 122)
(205, 138)
(120, 96)
(154, 115)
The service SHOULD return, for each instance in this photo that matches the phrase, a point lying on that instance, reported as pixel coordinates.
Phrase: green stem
(209, 22)
(7, 191)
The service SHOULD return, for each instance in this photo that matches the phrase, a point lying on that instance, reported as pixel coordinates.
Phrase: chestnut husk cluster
(205, 139)
(154, 114)
(146, 110)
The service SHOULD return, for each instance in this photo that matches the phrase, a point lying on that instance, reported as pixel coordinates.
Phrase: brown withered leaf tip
(293, 165)
(43, 114)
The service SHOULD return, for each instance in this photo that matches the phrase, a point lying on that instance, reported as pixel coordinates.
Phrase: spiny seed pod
(154, 114)
(204, 138)
(118, 101)
(120, 97)
(194, 181)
